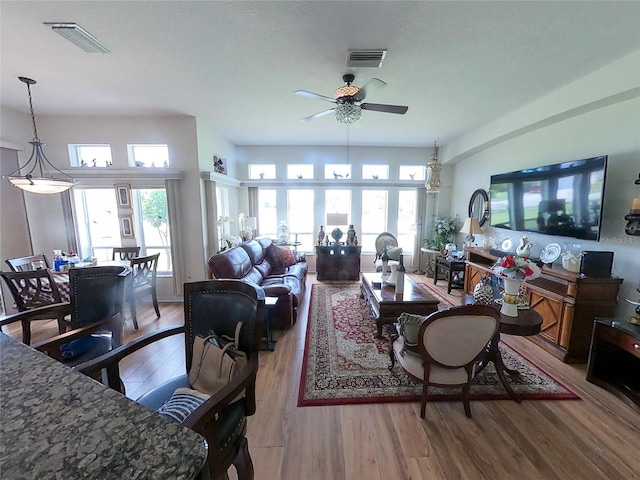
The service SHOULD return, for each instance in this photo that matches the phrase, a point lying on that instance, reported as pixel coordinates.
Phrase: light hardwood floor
(597, 437)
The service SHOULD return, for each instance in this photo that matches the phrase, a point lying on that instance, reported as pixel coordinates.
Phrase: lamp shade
(471, 226)
(252, 223)
(337, 218)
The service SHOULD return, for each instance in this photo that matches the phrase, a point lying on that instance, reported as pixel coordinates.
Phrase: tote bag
(216, 362)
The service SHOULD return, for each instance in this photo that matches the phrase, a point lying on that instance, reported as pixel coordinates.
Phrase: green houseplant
(444, 231)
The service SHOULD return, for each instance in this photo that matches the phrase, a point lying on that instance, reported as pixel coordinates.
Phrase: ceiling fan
(348, 100)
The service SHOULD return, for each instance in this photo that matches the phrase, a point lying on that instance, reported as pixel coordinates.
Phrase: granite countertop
(56, 423)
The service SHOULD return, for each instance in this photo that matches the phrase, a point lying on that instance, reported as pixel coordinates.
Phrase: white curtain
(176, 239)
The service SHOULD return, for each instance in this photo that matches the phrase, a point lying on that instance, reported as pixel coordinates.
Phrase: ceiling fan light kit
(347, 99)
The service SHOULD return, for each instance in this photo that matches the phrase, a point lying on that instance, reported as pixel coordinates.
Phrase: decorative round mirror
(479, 206)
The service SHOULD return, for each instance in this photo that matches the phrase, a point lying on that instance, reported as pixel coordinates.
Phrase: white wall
(607, 123)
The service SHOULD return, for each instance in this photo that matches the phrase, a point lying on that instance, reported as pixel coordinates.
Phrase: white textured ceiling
(457, 65)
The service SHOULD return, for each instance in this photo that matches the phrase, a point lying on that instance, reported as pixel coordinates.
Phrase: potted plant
(444, 231)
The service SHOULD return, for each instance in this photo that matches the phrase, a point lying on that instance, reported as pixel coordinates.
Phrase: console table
(614, 359)
(567, 303)
(338, 262)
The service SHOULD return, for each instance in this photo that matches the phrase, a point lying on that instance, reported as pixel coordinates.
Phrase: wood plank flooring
(597, 437)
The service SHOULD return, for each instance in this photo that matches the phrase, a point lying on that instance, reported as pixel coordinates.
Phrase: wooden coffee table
(387, 305)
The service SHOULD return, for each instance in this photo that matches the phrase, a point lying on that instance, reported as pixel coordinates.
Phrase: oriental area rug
(345, 364)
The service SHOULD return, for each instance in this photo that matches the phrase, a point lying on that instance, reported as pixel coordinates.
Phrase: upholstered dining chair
(143, 280)
(22, 264)
(95, 310)
(33, 289)
(125, 253)
(211, 305)
(447, 348)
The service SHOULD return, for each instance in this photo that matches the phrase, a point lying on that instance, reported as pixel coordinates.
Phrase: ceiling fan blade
(317, 115)
(368, 88)
(377, 107)
(305, 93)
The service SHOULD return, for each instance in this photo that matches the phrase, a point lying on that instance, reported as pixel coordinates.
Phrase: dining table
(61, 278)
(58, 423)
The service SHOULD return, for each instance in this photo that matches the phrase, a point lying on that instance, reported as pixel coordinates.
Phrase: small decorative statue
(351, 236)
(321, 235)
(524, 247)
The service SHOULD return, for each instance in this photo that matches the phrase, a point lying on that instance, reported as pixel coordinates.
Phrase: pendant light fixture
(433, 172)
(38, 175)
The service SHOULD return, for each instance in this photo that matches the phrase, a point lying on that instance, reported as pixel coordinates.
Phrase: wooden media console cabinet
(567, 303)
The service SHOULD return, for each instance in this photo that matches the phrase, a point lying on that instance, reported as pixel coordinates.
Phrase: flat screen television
(564, 199)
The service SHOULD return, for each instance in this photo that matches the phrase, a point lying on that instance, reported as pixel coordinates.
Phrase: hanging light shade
(433, 171)
(38, 175)
(348, 112)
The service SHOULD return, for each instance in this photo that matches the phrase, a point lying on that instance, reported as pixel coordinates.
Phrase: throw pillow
(182, 403)
(394, 253)
(288, 257)
(280, 257)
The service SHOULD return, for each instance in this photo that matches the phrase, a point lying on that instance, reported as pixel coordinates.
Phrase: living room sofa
(278, 270)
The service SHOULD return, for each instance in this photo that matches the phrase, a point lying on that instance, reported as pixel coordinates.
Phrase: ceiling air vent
(78, 36)
(366, 58)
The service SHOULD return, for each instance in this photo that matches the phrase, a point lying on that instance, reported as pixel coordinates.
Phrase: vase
(510, 297)
(321, 235)
(283, 232)
(351, 235)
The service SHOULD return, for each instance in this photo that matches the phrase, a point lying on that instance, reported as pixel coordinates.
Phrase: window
(262, 172)
(100, 226)
(375, 172)
(267, 213)
(338, 172)
(299, 219)
(90, 155)
(374, 217)
(299, 171)
(411, 172)
(406, 220)
(336, 201)
(148, 155)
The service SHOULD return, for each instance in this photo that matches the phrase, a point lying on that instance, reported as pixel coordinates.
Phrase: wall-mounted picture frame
(123, 195)
(126, 226)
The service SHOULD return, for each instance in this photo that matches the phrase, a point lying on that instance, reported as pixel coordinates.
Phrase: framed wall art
(123, 195)
(126, 226)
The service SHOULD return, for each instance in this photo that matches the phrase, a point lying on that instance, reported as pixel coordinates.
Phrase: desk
(57, 423)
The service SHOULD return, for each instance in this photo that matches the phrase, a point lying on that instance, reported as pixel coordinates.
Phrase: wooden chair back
(22, 264)
(125, 253)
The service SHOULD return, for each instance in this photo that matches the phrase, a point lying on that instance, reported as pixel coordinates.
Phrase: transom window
(300, 172)
(375, 172)
(90, 155)
(148, 155)
(262, 172)
(338, 172)
(411, 172)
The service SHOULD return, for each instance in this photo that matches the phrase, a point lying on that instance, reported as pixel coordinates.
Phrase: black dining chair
(22, 264)
(95, 323)
(125, 253)
(143, 280)
(218, 306)
(33, 289)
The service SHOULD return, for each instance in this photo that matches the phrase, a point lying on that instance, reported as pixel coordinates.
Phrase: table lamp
(471, 227)
(337, 220)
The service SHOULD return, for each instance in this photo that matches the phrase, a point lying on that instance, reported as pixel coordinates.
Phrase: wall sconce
(633, 219)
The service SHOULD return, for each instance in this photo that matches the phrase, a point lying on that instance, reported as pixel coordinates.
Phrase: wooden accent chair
(23, 264)
(447, 348)
(95, 309)
(125, 253)
(211, 305)
(33, 289)
(143, 280)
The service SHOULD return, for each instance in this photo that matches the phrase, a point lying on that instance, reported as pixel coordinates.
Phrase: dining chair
(95, 323)
(125, 253)
(448, 346)
(32, 289)
(22, 264)
(218, 306)
(143, 279)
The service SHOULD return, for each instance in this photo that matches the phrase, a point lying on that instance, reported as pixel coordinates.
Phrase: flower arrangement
(515, 268)
(445, 230)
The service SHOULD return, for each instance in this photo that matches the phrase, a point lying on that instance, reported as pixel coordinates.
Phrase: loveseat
(279, 271)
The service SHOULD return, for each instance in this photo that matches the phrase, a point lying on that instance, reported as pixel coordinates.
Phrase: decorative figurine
(524, 247)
